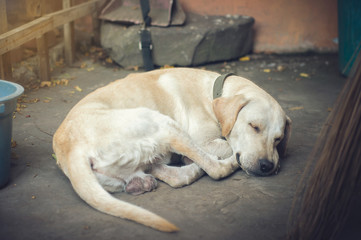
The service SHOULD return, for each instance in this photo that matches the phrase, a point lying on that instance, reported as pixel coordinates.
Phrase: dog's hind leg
(139, 183)
(111, 184)
(177, 176)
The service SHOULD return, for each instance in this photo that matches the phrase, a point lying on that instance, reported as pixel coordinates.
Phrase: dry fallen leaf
(56, 82)
(83, 65)
(267, 70)
(64, 82)
(18, 108)
(167, 66)
(296, 108)
(305, 75)
(281, 68)
(32, 100)
(109, 60)
(244, 59)
(45, 84)
(60, 62)
(90, 69)
(78, 88)
(93, 49)
(13, 143)
(33, 197)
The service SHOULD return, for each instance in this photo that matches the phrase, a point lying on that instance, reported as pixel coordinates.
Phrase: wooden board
(69, 46)
(43, 55)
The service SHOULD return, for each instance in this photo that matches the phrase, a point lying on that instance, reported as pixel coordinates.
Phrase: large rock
(201, 40)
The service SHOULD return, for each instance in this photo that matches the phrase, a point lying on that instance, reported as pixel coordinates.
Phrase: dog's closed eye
(255, 127)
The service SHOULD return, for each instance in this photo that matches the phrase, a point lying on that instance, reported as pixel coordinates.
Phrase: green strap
(145, 46)
(218, 85)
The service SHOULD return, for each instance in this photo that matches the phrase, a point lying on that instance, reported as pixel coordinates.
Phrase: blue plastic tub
(9, 92)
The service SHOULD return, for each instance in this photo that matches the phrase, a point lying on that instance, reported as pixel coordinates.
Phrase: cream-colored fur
(121, 136)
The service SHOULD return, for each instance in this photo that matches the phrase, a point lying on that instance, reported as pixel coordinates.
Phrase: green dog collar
(218, 85)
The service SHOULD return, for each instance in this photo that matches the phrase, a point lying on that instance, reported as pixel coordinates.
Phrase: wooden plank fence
(38, 28)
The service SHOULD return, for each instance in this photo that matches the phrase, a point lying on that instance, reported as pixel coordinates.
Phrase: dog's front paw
(138, 185)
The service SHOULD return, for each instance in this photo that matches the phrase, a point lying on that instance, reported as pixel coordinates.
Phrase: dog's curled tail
(89, 189)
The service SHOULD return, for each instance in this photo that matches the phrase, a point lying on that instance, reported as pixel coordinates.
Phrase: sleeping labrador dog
(121, 137)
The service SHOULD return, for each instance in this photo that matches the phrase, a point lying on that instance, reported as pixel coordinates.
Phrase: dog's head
(257, 130)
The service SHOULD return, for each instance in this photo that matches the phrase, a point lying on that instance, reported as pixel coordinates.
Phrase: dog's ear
(226, 110)
(282, 146)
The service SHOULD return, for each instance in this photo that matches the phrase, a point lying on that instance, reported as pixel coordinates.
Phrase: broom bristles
(333, 171)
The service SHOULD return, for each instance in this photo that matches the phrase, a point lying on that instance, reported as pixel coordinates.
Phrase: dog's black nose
(265, 165)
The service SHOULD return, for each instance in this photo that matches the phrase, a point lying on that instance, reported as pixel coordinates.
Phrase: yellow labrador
(121, 136)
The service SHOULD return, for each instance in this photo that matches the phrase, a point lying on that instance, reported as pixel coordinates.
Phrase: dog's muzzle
(275, 171)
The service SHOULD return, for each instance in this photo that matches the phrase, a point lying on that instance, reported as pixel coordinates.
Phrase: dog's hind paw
(138, 185)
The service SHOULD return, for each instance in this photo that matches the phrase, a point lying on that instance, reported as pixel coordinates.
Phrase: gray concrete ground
(39, 202)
